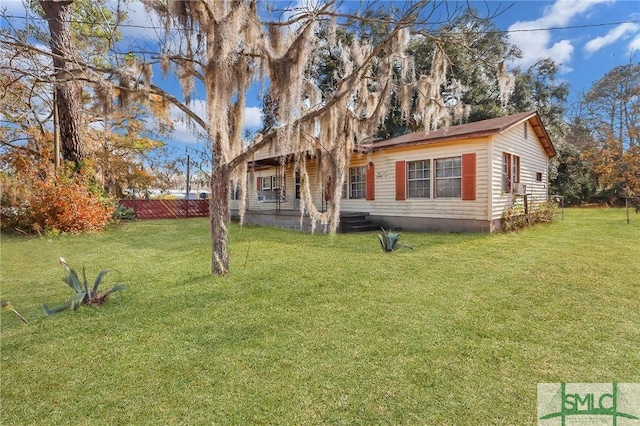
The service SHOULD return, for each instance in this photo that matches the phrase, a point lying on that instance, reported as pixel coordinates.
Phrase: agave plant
(389, 240)
(83, 294)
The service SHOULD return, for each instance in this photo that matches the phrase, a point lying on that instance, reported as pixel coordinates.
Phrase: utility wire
(524, 30)
(568, 27)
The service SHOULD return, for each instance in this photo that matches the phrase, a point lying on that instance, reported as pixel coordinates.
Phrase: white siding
(385, 203)
(360, 204)
(268, 152)
(533, 160)
(490, 201)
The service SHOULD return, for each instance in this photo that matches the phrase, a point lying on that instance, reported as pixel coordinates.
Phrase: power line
(570, 27)
(153, 27)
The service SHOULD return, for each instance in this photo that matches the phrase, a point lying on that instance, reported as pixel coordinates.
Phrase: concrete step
(357, 222)
(362, 227)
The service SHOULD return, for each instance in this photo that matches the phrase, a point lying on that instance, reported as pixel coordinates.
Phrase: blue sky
(586, 37)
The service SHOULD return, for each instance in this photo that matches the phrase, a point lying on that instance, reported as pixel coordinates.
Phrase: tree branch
(265, 139)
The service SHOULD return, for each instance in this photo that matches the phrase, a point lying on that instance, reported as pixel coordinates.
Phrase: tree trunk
(67, 91)
(219, 218)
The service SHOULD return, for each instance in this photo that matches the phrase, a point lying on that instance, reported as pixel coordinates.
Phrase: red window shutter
(258, 184)
(509, 173)
(370, 182)
(469, 176)
(401, 177)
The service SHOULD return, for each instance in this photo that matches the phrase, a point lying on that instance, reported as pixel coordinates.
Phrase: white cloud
(619, 32)
(187, 131)
(536, 45)
(252, 117)
(563, 11)
(139, 24)
(634, 46)
(184, 129)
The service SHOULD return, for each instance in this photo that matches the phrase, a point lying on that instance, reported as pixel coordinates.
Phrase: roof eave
(427, 141)
(543, 136)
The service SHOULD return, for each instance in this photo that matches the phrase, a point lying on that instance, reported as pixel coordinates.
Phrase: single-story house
(460, 178)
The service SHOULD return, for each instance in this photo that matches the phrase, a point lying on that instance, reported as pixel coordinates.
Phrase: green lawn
(311, 329)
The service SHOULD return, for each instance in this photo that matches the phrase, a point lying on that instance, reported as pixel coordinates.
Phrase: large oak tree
(232, 46)
(229, 45)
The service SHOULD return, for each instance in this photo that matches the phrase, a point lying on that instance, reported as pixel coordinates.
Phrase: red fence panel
(167, 209)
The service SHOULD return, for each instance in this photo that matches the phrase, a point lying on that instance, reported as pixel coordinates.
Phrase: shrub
(83, 295)
(124, 213)
(543, 213)
(62, 203)
(514, 217)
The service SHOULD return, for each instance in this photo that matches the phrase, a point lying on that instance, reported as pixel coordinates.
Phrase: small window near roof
(539, 177)
(526, 130)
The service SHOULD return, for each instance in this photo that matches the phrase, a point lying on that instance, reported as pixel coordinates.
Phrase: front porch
(290, 219)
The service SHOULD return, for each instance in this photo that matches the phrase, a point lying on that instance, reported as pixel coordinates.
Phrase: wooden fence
(167, 209)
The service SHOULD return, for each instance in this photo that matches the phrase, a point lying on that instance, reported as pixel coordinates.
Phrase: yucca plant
(83, 295)
(389, 240)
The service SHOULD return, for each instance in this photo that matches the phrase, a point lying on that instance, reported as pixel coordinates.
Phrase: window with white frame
(515, 169)
(448, 177)
(266, 183)
(272, 188)
(506, 172)
(419, 179)
(357, 182)
(510, 171)
(271, 182)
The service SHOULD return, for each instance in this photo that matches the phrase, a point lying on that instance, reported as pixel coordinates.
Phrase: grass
(311, 329)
